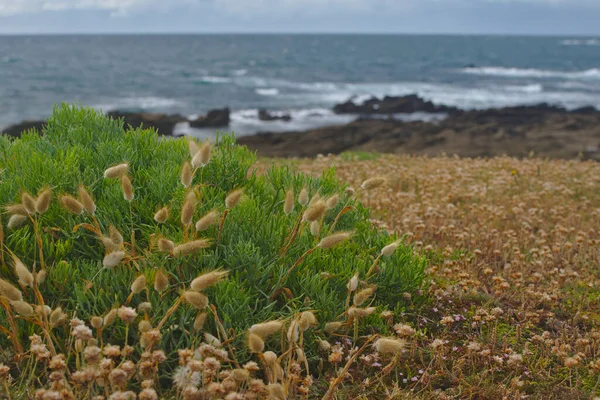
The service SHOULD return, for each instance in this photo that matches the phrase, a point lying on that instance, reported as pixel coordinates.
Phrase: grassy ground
(513, 262)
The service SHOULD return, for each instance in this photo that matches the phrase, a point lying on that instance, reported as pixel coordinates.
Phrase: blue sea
(304, 75)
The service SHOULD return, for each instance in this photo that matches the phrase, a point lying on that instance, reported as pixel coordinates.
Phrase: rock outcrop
(392, 105)
(217, 118)
(163, 123)
(265, 115)
(17, 129)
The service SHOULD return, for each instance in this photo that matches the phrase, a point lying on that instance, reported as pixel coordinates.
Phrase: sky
(531, 17)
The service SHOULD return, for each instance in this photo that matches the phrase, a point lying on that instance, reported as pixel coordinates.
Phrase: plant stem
(292, 236)
(221, 225)
(222, 328)
(370, 271)
(6, 388)
(169, 312)
(298, 262)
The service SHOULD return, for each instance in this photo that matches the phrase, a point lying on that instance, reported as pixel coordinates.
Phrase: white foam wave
(580, 42)
(593, 73)
(141, 103)
(240, 72)
(267, 91)
(215, 79)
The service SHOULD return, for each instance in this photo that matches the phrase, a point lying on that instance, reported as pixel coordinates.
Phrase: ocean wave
(593, 73)
(215, 79)
(139, 103)
(580, 42)
(240, 72)
(267, 91)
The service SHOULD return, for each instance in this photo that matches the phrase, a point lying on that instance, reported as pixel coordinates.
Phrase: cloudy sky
(560, 17)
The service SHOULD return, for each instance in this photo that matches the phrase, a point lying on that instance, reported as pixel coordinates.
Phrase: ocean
(304, 75)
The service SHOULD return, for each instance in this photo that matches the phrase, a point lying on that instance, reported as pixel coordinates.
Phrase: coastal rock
(163, 123)
(214, 119)
(265, 115)
(392, 105)
(17, 129)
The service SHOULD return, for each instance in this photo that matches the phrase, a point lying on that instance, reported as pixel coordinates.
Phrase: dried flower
(315, 228)
(233, 198)
(333, 240)
(9, 291)
(13, 209)
(353, 283)
(110, 317)
(22, 308)
(87, 200)
(389, 345)
(362, 296)
(186, 174)
(116, 171)
(276, 391)
(16, 221)
(96, 322)
(303, 196)
(208, 279)
(293, 332)
(195, 299)
(266, 328)
(165, 245)
(127, 188)
(307, 319)
(25, 276)
(332, 201)
(57, 317)
(71, 204)
(255, 343)
(43, 201)
(193, 147)
(187, 210)
(138, 284)
(127, 314)
(144, 307)
(115, 235)
(211, 218)
(161, 281)
(191, 247)
(356, 312)
(113, 259)
(288, 205)
(331, 327)
(202, 157)
(372, 183)
(390, 249)
(28, 202)
(200, 320)
(315, 211)
(162, 215)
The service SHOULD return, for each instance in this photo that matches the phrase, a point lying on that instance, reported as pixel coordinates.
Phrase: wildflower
(191, 247)
(404, 330)
(447, 320)
(116, 171)
(111, 351)
(28, 202)
(43, 201)
(571, 362)
(92, 354)
(195, 299)
(25, 276)
(165, 245)
(266, 328)
(161, 281)
(315, 211)
(127, 314)
(255, 343)
(127, 188)
(288, 205)
(71, 204)
(162, 215)
(251, 366)
(303, 196)
(333, 240)
(138, 284)
(186, 174)
(390, 249)
(82, 332)
(372, 183)
(16, 221)
(210, 219)
(208, 279)
(389, 345)
(22, 308)
(233, 198)
(86, 199)
(113, 259)
(117, 377)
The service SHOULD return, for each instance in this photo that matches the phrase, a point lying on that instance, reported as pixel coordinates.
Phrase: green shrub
(76, 147)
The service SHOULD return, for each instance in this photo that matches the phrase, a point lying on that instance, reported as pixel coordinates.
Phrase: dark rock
(470, 66)
(214, 118)
(17, 129)
(585, 110)
(265, 115)
(392, 105)
(163, 123)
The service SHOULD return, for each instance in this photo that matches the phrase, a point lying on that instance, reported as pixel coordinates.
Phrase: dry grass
(513, 250)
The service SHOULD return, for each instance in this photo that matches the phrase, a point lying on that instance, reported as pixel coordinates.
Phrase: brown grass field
(514, 276)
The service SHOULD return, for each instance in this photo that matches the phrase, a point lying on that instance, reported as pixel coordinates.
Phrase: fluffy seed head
(191, 247)
(372, 183)
(127, 314)
(362, 296)
(162, 215)
(233, 198)
(307, 319)
(43, 201)
(276, 391)
(16, 221)
(197, 300)
(86, 199)
(57, 317)
(145, 307)
(13, 209)
(116, 171)
(293, 332)
(316, 197)
(9, 291)
(41, 276)
(212, 218)
(127, 188)
(22, 308)
(333, 201)
(266, 328)
(331, 327)
(110, 317)
(186, 174)
(389, 249)
(303, 196)
(315, 211)
(208, 279)
(96, 322)
(270, 358)
(353, 283)
(113, 259)
(255, 343)
(109, 245)
(144, 326)
(165, 245)
(71, 204)
(288, 205)
(210, 339)
(161, 281)
(389, 345)
(138, 284)
(115, 235)
(204, 153)
(25, 276)
(335, 239)
(356, 312)
(28, 202)
(187, 210)
(193, 147)
(315, 228)
(200, 320)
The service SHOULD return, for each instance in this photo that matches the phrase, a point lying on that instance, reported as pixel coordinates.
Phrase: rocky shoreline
(544, 129)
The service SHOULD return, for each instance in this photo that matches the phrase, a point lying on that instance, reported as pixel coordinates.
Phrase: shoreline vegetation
(541, 129)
